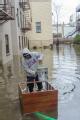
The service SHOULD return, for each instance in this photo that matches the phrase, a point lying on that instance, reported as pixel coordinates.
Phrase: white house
(41, 33)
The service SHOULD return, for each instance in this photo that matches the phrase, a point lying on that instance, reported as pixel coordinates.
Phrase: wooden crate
(38, 101)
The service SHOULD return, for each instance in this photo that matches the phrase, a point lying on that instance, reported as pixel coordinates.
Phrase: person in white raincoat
(30, 64)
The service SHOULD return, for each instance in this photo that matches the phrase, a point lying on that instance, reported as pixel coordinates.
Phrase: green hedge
(77, 39)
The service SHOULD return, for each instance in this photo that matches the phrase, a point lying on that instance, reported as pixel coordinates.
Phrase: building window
(7, 44)
(19, 43)
(26, 41)
(22, 42)
(23, 22)
(18, 17)
(5, 1)
(38, 27)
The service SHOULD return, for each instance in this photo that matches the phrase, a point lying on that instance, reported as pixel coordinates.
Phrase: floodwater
(63, 64)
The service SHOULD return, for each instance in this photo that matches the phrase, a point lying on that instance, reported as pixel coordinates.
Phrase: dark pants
(31, 85)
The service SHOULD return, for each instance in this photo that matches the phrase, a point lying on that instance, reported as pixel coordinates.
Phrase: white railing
(24, 4)
(26, 26)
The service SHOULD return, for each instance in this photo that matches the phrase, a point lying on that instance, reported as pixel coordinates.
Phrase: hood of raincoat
(26, 51)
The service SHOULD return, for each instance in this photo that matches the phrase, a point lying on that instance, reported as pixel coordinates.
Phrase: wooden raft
(38, 101)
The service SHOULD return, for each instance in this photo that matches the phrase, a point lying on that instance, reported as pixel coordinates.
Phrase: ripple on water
(66, 90)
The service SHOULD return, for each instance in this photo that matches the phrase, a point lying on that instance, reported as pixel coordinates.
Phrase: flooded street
(63, 64)
(66, 77)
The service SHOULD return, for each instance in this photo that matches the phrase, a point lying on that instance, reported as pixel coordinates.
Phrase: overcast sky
(66, 9)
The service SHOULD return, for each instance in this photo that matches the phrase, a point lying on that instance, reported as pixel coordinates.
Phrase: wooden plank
(36, 109)
(38, 102)
(42, 99)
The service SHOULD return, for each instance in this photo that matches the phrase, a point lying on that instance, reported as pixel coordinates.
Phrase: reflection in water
(66, 81)
(61, 71)
(64, 73)
(9, 105)
(10, 75)
(57, 49)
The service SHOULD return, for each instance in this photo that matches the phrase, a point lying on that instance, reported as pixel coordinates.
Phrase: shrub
(77, 39)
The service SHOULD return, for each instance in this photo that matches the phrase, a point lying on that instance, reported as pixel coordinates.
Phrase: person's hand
(33, 72)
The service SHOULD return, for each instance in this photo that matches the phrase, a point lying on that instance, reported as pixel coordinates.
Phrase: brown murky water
(64, 73)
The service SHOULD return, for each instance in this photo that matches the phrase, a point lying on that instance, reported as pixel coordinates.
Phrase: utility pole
(57, 43)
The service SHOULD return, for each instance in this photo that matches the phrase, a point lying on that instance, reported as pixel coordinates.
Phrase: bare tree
(57, 9)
